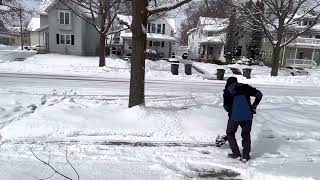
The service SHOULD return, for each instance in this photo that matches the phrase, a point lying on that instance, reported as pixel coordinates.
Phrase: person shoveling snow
(236, 101)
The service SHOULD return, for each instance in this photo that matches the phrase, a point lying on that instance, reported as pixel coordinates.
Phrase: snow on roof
(215, 39)
(34, 24)
(191, 30)
(152, 36)
(172, 23)
(124, 18)
(213, 24)
(44, 5)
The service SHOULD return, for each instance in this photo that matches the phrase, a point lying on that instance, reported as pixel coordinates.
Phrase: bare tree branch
(51, 167)
(167, 7)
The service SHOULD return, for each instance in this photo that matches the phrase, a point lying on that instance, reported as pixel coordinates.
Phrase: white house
(206, 41)
(160, 36)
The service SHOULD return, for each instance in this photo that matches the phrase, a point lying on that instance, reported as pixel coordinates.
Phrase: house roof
(191, 30)
(34, 24)
(150, 36)
(172, 23)
(128, 20)
(125, 19)
(215, 39)
(213, 24)
(44, 5)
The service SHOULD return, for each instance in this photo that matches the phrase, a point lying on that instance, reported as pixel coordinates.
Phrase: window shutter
(72, 39)
(150, 43)
(162, 44)
(163, 28)
(58, 39)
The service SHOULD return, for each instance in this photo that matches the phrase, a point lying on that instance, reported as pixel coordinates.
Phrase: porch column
(283, 53)
(313, 54)
(295, 55)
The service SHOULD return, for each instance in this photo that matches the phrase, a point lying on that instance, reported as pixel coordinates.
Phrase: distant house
(303, 50)
(6, 38)
(206, 41)
(66, 33)
(160, 36)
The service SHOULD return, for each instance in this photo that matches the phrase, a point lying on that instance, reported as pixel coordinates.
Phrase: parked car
(37, 47)
(295, 71)
(185, 56)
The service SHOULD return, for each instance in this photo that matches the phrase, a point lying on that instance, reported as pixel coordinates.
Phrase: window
(270, 54)
(65, 39)
(158, 28)
(317, 36)
(162, 44)
(301, 55)
(62, 38)
(153, 28)
(263, 54)
(210, 33)
(163, 28)
(156, 43)
(64, 17)
(68, 39)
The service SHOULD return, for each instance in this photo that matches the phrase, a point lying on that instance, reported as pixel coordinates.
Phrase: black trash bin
(188, 69)
(247, 72)
(175, 69)
(220, 74)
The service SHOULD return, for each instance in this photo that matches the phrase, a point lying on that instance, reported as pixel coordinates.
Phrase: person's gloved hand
(254, 109)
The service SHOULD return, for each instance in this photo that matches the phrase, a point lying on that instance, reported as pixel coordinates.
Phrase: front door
(301, 55)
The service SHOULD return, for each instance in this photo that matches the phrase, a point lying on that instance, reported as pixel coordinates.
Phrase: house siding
(86, 38)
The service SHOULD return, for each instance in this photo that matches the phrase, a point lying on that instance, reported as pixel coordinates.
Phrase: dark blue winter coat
(236, 101)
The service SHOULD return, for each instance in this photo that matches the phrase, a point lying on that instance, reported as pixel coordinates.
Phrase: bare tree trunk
(21, 30)
(275, 60)
(102, 53)
(139, 39)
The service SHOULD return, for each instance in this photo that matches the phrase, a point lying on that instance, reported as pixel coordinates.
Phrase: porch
(303, 56)
(211, 51)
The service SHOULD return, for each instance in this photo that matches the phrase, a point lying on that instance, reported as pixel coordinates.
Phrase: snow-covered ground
(171, 138)
(79, 65)
(83, 108)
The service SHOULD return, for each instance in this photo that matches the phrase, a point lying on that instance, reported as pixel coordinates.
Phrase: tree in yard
(279, 22)
(235, 30)
(256, 36)
(101, 14)
(140, 13)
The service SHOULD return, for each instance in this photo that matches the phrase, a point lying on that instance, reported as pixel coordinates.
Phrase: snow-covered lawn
(285, 137)
(88, 66)
(171, 138)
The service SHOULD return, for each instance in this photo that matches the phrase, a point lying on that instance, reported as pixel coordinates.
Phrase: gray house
(66, 33)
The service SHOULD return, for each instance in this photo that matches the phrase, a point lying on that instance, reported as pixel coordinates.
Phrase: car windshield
(289, 67)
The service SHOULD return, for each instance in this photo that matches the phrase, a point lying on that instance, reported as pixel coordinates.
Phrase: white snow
(151, 36)
(34, 24)
(213, 24)
(54, 112)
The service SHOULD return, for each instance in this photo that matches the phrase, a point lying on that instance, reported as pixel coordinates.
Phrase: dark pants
(245, 134)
